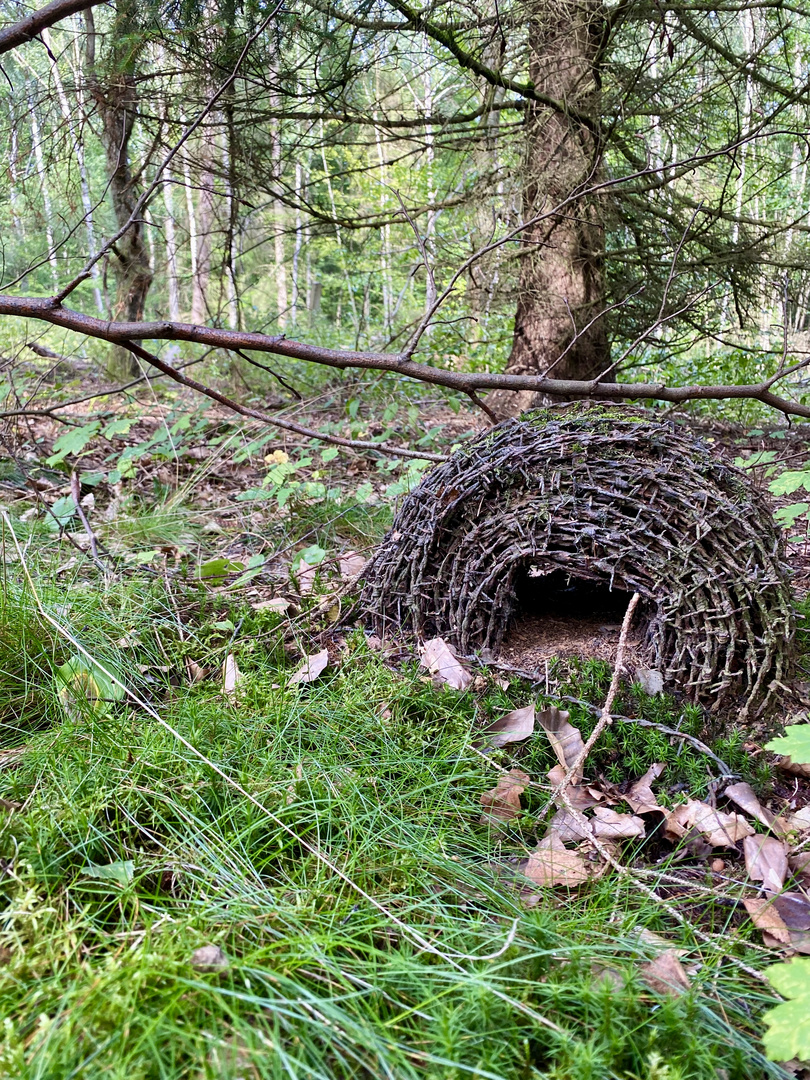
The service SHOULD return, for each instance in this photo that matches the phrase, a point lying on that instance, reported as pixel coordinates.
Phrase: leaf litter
(444, 665)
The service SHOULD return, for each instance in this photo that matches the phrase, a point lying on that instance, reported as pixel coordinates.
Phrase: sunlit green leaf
(795, 744)
(73, 442)
(788, 1034)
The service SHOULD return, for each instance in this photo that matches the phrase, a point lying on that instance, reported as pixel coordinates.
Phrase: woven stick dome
(607, 495)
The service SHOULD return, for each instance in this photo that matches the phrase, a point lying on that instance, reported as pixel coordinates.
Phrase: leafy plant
(788, 1034)
(795, 743)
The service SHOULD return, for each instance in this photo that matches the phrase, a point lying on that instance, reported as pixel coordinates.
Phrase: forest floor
(288, 850)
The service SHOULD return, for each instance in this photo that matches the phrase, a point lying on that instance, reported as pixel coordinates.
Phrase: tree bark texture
(561, 287)
(116, 98)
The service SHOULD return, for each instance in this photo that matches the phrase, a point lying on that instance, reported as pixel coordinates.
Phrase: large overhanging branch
(26, 29)
(128, 334)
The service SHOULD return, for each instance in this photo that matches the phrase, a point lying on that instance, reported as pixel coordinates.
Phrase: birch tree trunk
(42, 176)
(78, 152)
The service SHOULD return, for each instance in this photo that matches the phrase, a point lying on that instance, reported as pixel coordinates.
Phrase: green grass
(424, 963)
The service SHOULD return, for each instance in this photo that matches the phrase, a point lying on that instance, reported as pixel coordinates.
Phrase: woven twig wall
(607, 494)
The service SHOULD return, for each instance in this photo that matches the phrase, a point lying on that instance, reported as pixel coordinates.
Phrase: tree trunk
(116, 99)
(561, 288)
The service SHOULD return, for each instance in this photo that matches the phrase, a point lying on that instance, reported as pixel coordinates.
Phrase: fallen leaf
(766, 918)
(352, 565)
(800, 867)
(794, 910)
(766, 861)
(743, 795)
(788, 1034)
(610, 825)
(650, 681)
(800, 821)
(502, 803)
(565, 739)
(581, 796)
(719, 828)
(230, 675)
(795, 768)
(443, 665)
(514, 727)
(640, 797)
(195, 672)
(311, 668)
(209, 958)
(665, 974)
(553, 864)
(278, 603)
(569, 827)
(306, 578)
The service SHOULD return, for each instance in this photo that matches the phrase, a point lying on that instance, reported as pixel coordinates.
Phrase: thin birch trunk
(170, 231)
(78, 151)
(39, 159)
(338, 237)
(299, 236)
(228, 268)
(192, 223)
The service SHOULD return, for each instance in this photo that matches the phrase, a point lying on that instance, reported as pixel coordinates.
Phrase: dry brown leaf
(306, 578)
(665, 974)
(311, 668)
(443, 664)
(766, 918)
(640, 797)
(795, 768)
(609, 825)
(800, 821)
(794, 910)
(352, 565)
(277, 603)
(743, 795)
(800, 867)
(502, 803)
(194, 671)
(565, 739)
(766, 861)
(580, 796)
(719, 828)
(230, 675)
(569, 827)
(514, 727)
(553, 864)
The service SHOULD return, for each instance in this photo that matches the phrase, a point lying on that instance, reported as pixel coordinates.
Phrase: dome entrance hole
(559, 595)
(559, 615)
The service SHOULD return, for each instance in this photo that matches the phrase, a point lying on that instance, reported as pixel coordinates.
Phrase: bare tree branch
(127, 334)
(26, 29)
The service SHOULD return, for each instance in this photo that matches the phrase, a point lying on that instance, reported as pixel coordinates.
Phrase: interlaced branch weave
(606, 494)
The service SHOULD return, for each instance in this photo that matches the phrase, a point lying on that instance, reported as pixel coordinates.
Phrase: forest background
(262, 266)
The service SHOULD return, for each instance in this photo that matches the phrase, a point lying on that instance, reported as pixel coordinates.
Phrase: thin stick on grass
(606, 718)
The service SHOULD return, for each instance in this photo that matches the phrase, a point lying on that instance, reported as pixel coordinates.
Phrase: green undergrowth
(371, 923)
